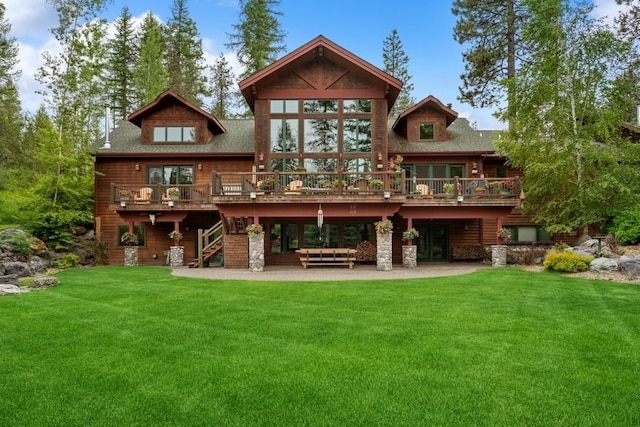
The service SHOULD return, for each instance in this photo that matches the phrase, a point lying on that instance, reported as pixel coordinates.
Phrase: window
(435, 170)
(356, 105)
(170, 174)
(284, 135)
(321, 135)
(320, 106)
(138, 230)
(501, 172)
(357, 135)
(174, 134)
(283, 106)
(284, 238)
(528, 233)
(427, 131)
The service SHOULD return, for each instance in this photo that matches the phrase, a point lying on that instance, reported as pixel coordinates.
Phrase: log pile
(366, 251)
(468, 252)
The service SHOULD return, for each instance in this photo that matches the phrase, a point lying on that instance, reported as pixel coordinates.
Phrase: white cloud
(30, 18)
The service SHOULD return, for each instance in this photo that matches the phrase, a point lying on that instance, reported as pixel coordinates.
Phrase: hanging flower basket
(410, 234)
(129, 239)
(176, 236)
(254, 230)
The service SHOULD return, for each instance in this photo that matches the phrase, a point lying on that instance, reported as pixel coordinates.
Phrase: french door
(433, 243)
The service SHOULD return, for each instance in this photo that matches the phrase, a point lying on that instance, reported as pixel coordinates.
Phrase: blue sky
(425, 28)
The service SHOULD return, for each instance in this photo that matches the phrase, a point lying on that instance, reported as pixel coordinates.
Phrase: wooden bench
(327, 256)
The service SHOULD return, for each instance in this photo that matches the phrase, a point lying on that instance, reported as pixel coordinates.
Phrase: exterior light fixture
(123, 203)
(474, 168)
(170, 203)
(137, 167)
(199, 166)
(387, 195)
(252, 195)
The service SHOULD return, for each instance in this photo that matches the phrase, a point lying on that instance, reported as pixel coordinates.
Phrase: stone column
(176, 256)
(409, 256)
(498, 256)
(384, 261)
(130, 256)
(256, 253)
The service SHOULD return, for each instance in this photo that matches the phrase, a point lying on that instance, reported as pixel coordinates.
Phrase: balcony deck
(303, 187)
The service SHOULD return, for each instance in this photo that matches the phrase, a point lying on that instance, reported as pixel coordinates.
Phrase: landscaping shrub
(626, 226)
(68, 260)
(567, 262)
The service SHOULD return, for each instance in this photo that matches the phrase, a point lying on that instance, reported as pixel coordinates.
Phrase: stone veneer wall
(498, 255)
(236, 251)
(409, 256)
(176, 256)
(130, 256)
(385, 255)
(256, 252)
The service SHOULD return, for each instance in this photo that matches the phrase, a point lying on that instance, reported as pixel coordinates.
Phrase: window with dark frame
(174, 134)
(138, 230)
(427, 131)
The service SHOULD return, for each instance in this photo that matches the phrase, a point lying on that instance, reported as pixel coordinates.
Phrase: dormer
(172, 120)
(426, 121)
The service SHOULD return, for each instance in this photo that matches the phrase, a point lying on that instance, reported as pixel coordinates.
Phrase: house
(321, 148)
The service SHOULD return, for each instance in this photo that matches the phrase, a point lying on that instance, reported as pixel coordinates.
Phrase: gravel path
(359, 272)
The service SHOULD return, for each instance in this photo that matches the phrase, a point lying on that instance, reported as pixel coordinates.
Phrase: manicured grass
(500, 347)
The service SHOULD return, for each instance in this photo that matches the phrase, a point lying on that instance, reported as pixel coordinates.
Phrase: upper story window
(174, 134)
(283, 106)
(356, 105)
(170, 174)
(427, 131)
(321, 106)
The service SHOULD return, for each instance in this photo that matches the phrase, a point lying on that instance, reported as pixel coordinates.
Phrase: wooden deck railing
(248, 185)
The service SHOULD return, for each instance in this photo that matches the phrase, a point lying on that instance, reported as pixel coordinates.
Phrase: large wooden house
(321, 148)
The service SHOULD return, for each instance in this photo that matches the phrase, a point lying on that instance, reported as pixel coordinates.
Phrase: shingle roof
(462, 138)
(239, 139)
(125, 139)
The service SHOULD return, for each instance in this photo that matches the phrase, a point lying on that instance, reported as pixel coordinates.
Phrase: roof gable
(428, 102)
(167, 98)
(319, 47)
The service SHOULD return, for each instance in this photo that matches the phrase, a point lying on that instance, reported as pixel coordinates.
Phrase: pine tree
(184, 56)
(491, 29)
(121, 59)
(225, 96)
(150, 77)
(396, 63)
(10, 109)
(257, 37)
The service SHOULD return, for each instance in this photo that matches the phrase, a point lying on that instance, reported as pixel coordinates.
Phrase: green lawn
(123, 346)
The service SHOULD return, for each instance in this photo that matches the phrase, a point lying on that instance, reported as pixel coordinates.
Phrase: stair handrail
(209, 238)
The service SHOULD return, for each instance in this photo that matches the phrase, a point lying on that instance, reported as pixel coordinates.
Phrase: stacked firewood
(366, 251)
(468, 252)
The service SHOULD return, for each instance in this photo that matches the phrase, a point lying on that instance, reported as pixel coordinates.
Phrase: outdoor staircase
(210, 243)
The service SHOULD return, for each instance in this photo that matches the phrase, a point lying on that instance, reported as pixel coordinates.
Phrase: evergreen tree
(10, 109)
(225, 96)
(396, 63)
(628, 23)
(150, 77)
(184, 56)
(121, 60)
(569, 99)
(257, 37)
(491, 29)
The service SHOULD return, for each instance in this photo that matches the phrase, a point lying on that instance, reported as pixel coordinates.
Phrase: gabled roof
(167, 98)
(428, 102)
(319, 47)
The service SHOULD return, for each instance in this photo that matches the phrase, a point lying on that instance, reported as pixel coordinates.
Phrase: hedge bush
(566, 262)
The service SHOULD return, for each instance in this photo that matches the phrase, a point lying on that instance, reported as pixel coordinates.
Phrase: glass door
(433, 243)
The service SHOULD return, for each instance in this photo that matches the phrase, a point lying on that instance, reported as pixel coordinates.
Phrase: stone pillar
(256, 253)
(176, 256)
(498, 256)
(384, 261)
(130, 256)
(409, 256)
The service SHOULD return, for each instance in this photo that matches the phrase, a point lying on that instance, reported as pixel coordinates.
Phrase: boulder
(6, 289)
(629, 266)
(43, 282)
(19, 268)
(10, 279)
(603, 265)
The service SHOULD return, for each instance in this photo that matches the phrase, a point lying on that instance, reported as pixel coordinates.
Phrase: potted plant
(480, 190)
(129, 239)
(504, 234)
(267, 185)
(449, 189)
(176, 236)
(173, 193)
(125, 194)
(254, 230)
(338, 183)
(385, 226)
(506, 186)
(410, 234)
(376, 184)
